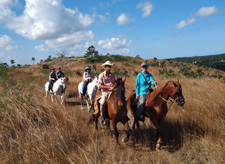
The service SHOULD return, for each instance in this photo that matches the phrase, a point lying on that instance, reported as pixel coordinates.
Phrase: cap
(52, 68)
(59, 67)
(86, 68)
(143, 64)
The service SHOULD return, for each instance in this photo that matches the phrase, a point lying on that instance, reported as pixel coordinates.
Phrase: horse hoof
(158, 147)
(125, 140)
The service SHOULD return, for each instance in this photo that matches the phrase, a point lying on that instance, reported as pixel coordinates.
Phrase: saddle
(97, 99)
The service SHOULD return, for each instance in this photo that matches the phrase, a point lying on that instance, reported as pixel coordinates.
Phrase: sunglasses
(144, 66)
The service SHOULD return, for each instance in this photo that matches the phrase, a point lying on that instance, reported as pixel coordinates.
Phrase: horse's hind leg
(81, 101)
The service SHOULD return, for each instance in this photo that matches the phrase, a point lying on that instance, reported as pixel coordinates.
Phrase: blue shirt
(141, 83)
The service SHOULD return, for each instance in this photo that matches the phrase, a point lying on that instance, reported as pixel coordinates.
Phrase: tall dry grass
(35, 130)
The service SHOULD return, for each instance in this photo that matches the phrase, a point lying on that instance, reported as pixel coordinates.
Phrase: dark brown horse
(116, 109)
(156, 107)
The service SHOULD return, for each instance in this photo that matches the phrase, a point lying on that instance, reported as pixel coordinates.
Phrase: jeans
(85, 83)
(140, 104)
(50, 86)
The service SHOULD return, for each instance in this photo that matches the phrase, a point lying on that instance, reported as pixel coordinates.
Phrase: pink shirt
(86, 76)
(107, 80)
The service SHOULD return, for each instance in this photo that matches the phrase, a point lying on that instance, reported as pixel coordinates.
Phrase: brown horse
(116, 109)
(156, 107)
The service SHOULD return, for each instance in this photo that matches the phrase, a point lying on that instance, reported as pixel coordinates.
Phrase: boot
(102, 112)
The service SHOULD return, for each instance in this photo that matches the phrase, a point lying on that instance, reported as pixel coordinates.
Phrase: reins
(171, 102)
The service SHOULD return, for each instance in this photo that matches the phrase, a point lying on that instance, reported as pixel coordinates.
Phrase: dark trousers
(85, 83)
(50, 86)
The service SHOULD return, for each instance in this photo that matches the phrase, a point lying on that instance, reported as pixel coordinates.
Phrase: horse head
(176, 93)
(67, 80)
(120, 92)
(62, 82)
(95, 82)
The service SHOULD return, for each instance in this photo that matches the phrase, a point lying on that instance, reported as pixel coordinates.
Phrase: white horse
(58, 88)
(91, 91)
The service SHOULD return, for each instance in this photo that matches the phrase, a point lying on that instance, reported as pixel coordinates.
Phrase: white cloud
(115, 45)
(207, 11)
(123, 19)
(6, 43)
(49, 19)
(104, 19)
(146, 7)
(41, 48)
(185, 23)
(70, 40)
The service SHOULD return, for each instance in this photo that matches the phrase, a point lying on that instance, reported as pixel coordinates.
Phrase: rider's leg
(49, 85)
(102, 106)
(140, 107)
(84, 88)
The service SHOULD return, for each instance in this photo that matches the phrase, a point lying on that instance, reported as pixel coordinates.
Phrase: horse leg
(81, 101)
(158, 133)
(52, 97)
(61, 98)
(128, 131)
(87, 104)
(96, 121)
(115, 130)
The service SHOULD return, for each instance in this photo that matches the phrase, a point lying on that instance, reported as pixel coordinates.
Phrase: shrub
(45, 66)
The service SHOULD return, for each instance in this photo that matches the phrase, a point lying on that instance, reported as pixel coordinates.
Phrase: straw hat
(107, 63)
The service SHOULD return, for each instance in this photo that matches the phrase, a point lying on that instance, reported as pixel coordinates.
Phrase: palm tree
(33, 59)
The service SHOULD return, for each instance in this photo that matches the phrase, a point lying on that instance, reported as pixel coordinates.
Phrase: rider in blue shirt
(143, 82)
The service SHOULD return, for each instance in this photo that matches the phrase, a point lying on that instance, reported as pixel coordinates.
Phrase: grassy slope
(34, 130)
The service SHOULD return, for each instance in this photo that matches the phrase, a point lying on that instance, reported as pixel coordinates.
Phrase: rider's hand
(110, 88)
(137, 96)
(155, 82)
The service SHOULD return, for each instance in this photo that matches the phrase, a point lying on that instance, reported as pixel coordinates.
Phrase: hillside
(213, 61)
(35, 130)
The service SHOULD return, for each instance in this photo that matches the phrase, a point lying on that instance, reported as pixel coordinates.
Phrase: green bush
(45, 66)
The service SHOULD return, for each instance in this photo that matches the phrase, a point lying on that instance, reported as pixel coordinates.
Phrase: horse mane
(163, 87)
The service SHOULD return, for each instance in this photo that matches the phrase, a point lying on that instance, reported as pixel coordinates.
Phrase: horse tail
(132, 105)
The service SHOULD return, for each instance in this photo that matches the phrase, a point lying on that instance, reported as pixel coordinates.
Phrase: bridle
(178, 100)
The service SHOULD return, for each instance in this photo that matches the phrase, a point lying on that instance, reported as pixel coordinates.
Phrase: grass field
(35, 130)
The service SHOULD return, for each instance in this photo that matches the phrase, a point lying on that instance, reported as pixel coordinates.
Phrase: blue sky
(152, 28)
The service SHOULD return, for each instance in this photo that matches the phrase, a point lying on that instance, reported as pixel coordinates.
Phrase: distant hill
(214, 61)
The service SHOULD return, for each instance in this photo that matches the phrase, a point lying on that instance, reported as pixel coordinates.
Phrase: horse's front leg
(128, 131)
(115, 130)
(61, 95)
(158, 137)
(52, 97)
(87, 103)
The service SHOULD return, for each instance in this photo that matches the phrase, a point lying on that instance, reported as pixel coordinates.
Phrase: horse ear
(178, 80)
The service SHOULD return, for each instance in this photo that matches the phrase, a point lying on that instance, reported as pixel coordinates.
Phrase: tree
(60, 53)
(91, 55)
(12, 61)
(33, 59)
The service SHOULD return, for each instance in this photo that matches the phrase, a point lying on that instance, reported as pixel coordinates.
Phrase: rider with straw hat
(106, 81)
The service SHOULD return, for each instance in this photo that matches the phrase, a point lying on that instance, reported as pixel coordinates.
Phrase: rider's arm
(105, 87)
(137, 86)
(51, 78)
